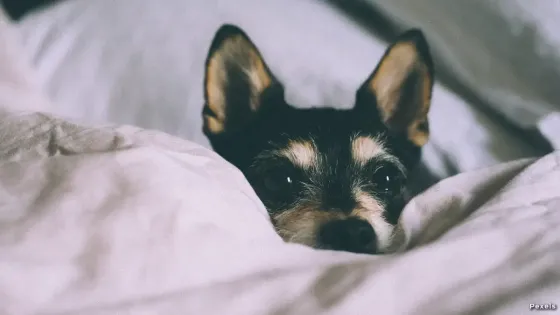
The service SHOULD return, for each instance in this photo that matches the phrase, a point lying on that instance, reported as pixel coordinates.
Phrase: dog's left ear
(400, 89)
(235, 81)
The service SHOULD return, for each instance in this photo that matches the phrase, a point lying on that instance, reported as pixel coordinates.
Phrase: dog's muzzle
(352, 235)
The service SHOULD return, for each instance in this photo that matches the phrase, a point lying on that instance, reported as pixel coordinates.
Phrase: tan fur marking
(301, 153)
(258, 76)
(214, 125)
(301, 224)
(372, 211)
(419, 136)
(416, 135)
(366, 148)
(400, 61)
(215, 82)
(241, 53)
(392, 71)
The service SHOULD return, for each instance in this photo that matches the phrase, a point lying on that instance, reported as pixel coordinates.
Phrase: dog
(330, 178)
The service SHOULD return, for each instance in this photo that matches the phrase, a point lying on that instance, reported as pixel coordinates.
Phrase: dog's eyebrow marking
(366, 148)
(301, 153)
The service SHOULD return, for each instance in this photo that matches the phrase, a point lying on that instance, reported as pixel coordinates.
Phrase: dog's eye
(280, 182)
(388, 179)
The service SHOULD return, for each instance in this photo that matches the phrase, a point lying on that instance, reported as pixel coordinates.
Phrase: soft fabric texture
(121, 220)
(140, 62)
(505, 51)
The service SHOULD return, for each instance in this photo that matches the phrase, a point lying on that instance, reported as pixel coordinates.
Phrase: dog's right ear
(399, 91)
(235, 81)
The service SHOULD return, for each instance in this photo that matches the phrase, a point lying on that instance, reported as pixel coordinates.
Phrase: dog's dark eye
(388, 179)
(280, 182)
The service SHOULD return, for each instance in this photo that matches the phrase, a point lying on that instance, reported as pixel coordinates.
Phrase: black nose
(352, 235)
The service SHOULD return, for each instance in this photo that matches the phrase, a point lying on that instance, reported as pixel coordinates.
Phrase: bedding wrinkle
(101, 220)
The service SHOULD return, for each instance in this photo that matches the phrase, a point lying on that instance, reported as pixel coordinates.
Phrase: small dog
(330, 178)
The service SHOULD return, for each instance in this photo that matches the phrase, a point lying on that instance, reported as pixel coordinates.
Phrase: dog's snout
(352, 235)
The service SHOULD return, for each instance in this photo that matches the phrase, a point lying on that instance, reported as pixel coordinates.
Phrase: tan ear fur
(402, 84)
(236, 75)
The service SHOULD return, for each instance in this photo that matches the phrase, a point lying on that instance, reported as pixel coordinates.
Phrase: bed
(109, 190)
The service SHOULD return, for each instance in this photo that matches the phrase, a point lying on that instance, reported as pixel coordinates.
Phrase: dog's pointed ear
(235, 80)
(399, 91)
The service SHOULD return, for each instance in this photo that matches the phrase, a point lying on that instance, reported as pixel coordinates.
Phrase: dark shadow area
(369, 18)
(17, 9)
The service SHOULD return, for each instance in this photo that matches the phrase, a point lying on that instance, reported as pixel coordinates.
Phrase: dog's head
(329, 178)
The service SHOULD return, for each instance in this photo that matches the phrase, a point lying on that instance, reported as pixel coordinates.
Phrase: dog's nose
(352, 235)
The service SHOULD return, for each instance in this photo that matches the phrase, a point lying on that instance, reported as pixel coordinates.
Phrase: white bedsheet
(120, 220)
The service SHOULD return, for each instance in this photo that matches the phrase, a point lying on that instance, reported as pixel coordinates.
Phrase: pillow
(64, 185)
(506, 52)
(139, 62)
(17, 76)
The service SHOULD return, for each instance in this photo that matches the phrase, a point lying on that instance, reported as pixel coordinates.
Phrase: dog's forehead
(328, 137)
(313, 151)
(325, 122)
